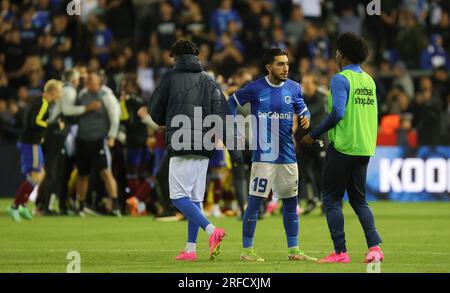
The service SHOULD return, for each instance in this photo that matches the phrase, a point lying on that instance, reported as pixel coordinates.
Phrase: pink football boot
(374, 255)
(189, 256)
(334, 257)
(214, 243)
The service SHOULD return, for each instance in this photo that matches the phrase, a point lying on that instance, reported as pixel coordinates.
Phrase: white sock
(210, 229)
(190, 247)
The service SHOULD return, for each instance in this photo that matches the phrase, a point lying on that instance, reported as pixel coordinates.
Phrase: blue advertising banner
(406, 174)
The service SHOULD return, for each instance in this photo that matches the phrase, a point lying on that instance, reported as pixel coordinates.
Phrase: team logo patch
(287, 99)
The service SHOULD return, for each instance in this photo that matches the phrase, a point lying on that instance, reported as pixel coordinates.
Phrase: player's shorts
(187, 177)
(31, 157)
(92, 155)
(217, 159)
(137, 156)
(281, 178)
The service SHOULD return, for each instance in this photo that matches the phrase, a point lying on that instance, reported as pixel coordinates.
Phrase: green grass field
(416, 239)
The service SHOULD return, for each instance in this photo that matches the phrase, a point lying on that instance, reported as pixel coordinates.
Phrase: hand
(94, 106)
(307, 139)
(304, 122)
(110, 142)
(61, 124)
(142, 112)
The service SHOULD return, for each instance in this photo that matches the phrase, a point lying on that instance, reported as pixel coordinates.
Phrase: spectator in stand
(195, 25)
(102, 38)
(278, 39)
(164, 32)
(443, 28)
(6, 14)
(313, 44)
(440, 78)
(410, 39)
(403, 79)
(145, 74)
(434, 55)
(222, 16)
(14, 58)
(42, 15)
(312, 9)
(62, 39)
(349, 22)
(228, 55)
(427, 118)
(29, 32)
(406, 135)
(295, 27)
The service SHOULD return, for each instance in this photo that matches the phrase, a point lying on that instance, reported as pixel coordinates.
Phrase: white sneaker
(216, 212)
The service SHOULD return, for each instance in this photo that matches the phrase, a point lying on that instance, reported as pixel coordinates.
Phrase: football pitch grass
(416, 239)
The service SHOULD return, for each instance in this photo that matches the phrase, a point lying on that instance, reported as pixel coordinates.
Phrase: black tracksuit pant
(346, 173)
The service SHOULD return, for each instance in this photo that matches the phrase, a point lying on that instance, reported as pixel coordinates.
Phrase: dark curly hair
(183, 47)
(353, 47)
(270, 55)
(130, 84)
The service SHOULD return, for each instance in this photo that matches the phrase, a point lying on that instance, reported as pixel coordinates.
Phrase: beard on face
(279, 77)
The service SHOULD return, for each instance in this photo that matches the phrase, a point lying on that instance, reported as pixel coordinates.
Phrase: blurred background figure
(311, 158)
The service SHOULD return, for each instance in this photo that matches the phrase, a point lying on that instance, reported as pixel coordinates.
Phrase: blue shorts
(137, 156)
(217, 160)
(31, 157)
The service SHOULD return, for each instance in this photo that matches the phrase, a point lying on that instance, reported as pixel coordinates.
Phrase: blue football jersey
(274, 107)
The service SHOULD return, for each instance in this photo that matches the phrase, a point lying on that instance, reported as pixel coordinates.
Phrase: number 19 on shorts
(259, 184)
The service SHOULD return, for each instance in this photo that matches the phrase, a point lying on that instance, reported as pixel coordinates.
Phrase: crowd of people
(128, 43)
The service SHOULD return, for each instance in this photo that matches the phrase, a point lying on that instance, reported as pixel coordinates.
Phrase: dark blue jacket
(181, 90)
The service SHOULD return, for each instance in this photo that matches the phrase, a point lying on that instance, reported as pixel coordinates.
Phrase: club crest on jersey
(287, 99)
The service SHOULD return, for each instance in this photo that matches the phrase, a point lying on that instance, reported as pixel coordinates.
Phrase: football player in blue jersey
(274, 101)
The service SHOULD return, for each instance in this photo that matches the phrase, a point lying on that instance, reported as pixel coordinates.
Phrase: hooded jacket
(183, 91)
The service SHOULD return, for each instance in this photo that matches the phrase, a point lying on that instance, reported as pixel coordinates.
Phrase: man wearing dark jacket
(311, 159)
(185, 96)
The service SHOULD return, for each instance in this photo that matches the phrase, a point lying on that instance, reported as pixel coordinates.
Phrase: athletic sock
(115, 203)
(210, 229)
(191, 211)
(250, 219)
(24, 191)
(190, 247)
(193, 228)
(290, 221)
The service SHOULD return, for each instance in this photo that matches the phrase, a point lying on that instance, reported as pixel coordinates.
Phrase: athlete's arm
(301, 109)
(38, 111)
(113, 110)
(340, 89)
(55, 112)
(68, 101)
(146, 118)
(241, 97)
